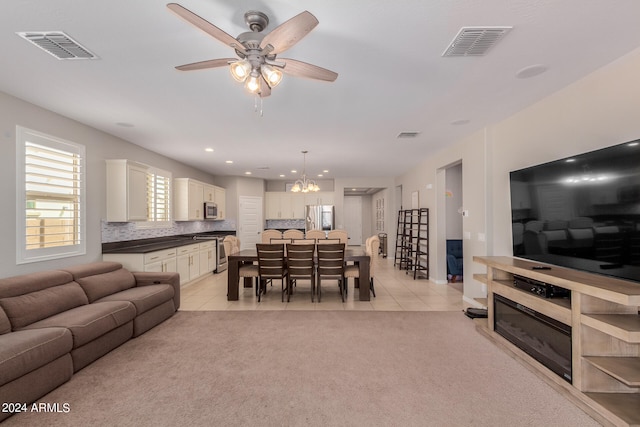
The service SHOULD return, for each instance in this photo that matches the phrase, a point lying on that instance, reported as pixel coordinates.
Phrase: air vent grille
(58, 44)
(411, 134)
(475, 41)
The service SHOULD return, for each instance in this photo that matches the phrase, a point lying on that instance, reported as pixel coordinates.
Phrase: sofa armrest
(146, 278)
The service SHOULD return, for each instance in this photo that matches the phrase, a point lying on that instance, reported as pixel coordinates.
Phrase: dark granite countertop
(143, 246)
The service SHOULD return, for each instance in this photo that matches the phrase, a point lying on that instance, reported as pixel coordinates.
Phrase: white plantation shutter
(159, 196)
(51, 197)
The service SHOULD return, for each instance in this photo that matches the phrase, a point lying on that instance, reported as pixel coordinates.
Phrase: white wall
(99, 146)
(595, 112)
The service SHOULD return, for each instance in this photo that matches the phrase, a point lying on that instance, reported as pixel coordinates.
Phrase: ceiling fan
(257, 66)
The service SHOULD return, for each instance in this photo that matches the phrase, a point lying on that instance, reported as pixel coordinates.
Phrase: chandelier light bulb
(272, 75)
(253, 82)
(240, 70)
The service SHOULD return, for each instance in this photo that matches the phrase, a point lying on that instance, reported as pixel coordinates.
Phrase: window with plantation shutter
(51, 197)
(159, 196)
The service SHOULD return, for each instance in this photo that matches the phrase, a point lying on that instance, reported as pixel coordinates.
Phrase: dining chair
(293, 234)
(272, 265)
(267, 235)
(245, 269)
(339, 234)
(301, 265)
(316, 234)
(371, 246)
(330, 258)
(327, 241)
(305, 241)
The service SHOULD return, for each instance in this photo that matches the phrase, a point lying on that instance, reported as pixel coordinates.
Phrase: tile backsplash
(122, 231)
(285, 224)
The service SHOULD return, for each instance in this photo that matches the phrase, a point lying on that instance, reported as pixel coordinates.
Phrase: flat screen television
(581, 212)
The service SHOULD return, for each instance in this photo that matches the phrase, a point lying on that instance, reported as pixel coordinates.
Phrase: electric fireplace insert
(545, 339)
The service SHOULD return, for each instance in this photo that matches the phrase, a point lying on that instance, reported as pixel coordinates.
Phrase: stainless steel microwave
(210, 210)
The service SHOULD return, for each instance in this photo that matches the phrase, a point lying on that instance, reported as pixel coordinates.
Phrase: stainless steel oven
(222, 256)
(210, 210)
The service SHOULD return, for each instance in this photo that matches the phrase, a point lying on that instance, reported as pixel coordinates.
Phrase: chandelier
(304, 185)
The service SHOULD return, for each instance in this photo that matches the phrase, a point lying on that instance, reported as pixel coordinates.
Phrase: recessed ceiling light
(228, 162)
(282, 175)
(633, 144)
(294, 171)
(531, 71)
(571, 160)
(325, 171)
(247, 173)
(320, 175)
(209, 150)
(460, 122)
(354, 189)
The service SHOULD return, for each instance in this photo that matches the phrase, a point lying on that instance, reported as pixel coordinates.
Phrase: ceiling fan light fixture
(240, 70)
(253, 82)
(272, 75)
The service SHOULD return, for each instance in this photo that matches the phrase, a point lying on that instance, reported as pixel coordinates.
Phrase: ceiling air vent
(407, 134)
(475, 41)
(57, 44)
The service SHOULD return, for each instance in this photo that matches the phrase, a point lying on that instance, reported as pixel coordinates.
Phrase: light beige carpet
(297, 368)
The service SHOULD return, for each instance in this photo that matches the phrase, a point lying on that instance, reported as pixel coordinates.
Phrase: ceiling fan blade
(302, 69)
(290, 32)
(202, 65)
(265, 89)
(205, 26)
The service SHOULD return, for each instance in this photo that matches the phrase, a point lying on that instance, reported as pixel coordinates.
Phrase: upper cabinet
(188, 200)
(220, 199)
(319, 198)
(126, 191)
(189, 196)
(209, 192)
(283, 205)
(286, 205)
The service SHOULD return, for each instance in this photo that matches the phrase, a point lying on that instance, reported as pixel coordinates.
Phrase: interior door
(250, 224)
(353, 219)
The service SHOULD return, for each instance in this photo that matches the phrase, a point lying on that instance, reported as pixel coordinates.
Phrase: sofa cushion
(100, 279)
(34, 306)
(5, 325)
(143, 298)
(25, 351)
(88, 322)
(26, 283)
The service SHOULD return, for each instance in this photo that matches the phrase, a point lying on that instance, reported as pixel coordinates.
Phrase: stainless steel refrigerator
(320, 217)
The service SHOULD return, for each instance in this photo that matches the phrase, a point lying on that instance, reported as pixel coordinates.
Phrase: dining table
(357, 255)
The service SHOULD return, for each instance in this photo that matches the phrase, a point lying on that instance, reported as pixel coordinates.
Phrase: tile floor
(395, 291)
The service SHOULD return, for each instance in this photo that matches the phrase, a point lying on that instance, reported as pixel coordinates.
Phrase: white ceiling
(392, 76)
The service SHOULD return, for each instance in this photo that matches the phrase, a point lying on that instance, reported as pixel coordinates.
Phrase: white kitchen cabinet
(319, 198)
(188, 262)
(188, 200)
(126, 191)
(208, 257)
(209, 192)
(220, 198)
(157, 261)
(284, 205)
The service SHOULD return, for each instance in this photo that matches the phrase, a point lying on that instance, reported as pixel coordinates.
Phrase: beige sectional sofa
(54, 323)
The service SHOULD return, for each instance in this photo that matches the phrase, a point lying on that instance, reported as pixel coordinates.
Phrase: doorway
(250, 224)
(353, 219)
(454, 222)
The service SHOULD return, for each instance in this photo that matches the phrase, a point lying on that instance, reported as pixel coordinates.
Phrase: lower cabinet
(190, 261)
(603, 321)
(208, 257)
